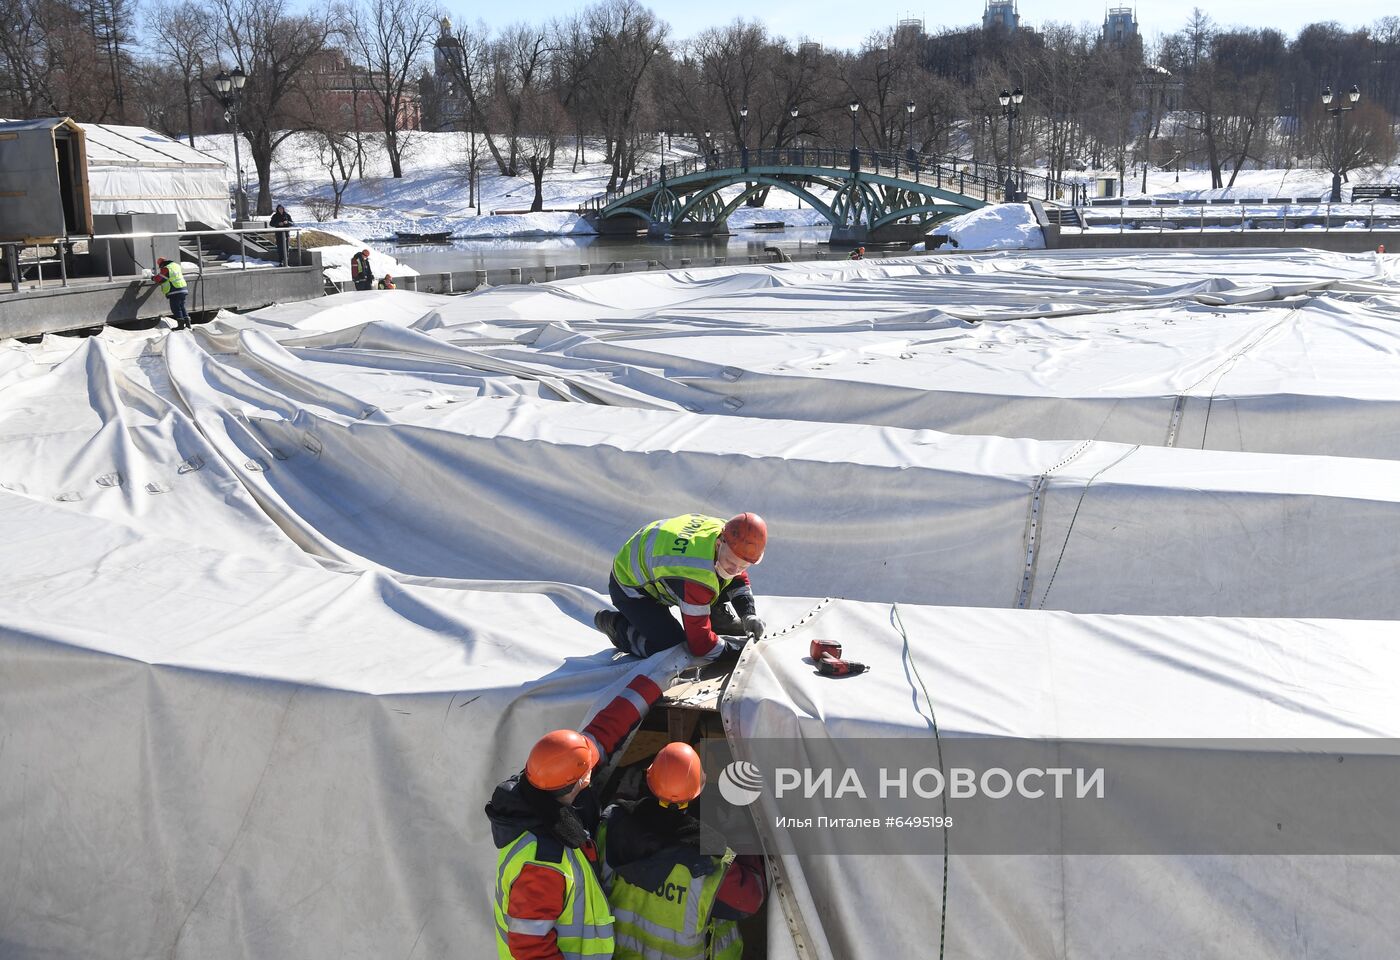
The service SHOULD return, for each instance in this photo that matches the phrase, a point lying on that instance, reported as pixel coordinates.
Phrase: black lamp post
(709, 149)
(1353, 95)
(854, 107)
(908, 140)
(661, 145)
(743, 143)
(230, 90)
(1011, 109)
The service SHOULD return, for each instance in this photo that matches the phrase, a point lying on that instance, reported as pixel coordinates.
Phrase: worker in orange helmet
(695, 562)
(550, 902)
(668, 898)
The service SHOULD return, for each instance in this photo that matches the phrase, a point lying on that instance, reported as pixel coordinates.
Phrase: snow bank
(1002, 226)
(523, 225)
(335, 260)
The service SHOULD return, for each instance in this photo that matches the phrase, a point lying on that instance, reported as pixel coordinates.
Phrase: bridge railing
(967, 177)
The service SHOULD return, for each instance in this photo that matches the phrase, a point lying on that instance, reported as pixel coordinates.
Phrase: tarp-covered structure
(137, 170)
(43, 184)
(288, 594)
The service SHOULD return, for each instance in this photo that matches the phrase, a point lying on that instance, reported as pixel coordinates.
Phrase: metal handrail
(13, 250)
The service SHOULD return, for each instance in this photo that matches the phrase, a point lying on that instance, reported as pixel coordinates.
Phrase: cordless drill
(829, 666)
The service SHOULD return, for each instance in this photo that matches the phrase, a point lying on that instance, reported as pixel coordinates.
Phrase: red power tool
(819, 648)
(829, 666)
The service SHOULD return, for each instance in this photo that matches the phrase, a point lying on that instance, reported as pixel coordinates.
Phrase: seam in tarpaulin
(1032, 534)
(1219, 373)
(738, 677)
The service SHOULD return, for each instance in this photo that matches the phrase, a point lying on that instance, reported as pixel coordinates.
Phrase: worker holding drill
(697, 563)
(669, 899)
(550, 903)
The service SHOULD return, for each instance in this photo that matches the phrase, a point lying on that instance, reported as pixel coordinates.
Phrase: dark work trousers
(177, 307)
(282, 247)
(652, 627)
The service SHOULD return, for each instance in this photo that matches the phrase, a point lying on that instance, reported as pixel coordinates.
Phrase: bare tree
(274, 48)
(389, 38)
(730, 59)
(1365, 136)
(27, 63)
(183, 45)
(543, 120)
(627, 39)
(519, 73)
(50, 61)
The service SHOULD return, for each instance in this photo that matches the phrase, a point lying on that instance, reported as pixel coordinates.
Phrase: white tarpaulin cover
(136, 170)
(287, 595)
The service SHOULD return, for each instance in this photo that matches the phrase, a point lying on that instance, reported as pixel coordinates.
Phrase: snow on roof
(111, 145)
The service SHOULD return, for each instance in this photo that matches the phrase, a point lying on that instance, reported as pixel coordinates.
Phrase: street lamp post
(709, 149)
(1011, 109)
(908, 140)
(743, 143)
(661, 145)
(1353, 95)
(230, 90)
(792, 112)
(854, 107)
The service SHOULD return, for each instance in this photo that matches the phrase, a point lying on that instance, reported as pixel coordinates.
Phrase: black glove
(733, 645)
(753, 626)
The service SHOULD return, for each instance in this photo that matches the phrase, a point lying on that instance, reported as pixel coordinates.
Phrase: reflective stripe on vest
(725, 941)
(174, 278)
(671, 922)
(679, 548)
(583, 930)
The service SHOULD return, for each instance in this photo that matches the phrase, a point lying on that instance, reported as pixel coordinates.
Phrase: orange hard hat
(560, 759)
(676, 775)
(747, 536)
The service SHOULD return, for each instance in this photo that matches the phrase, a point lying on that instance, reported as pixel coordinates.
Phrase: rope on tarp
(908, 656)
(1069, 530)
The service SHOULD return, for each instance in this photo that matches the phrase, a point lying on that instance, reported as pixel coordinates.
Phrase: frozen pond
(517, 252)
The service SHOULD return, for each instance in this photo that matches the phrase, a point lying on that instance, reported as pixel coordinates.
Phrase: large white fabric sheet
(1037, 675)
(286, 596)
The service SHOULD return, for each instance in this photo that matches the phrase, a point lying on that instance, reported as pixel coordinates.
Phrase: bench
(1376, 191)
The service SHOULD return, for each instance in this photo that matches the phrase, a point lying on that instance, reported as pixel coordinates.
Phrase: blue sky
(844, 24)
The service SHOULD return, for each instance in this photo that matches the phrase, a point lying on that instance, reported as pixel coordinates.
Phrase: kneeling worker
(550, 903)
(694, 562)
(669, 900)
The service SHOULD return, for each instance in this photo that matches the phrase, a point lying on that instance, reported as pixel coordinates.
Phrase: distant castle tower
(447, 66)
(1120, 26)
(1001, 14)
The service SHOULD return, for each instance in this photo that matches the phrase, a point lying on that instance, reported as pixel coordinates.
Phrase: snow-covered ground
(1263, 184)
